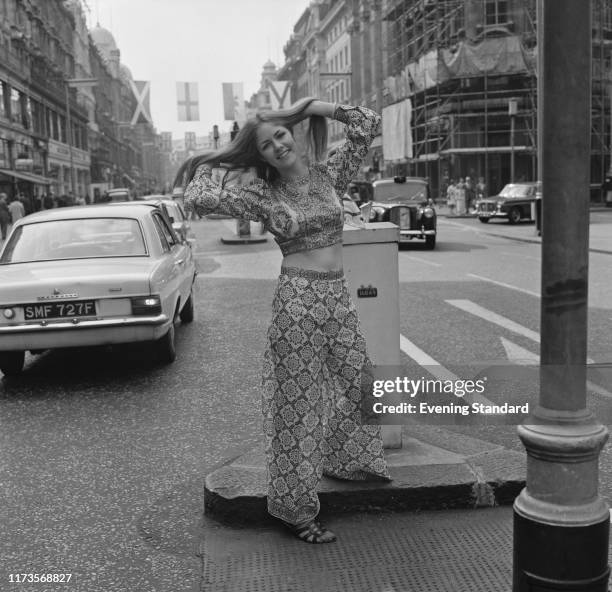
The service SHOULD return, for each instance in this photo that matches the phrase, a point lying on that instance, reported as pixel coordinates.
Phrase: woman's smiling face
(276, 146)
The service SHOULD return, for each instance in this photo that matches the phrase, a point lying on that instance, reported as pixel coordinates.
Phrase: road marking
(519, 255)
(493, 317)
(421, 260)
(436, 369)
(504, 285)
(523, 357)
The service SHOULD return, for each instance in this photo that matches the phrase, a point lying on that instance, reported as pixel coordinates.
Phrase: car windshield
(400, 192)
(514, 190)
(75, 239)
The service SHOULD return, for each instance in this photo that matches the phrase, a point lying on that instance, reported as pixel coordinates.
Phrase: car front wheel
(430, 241)
(514, 216)
(483, 219)
(165, 348)
(11, 362)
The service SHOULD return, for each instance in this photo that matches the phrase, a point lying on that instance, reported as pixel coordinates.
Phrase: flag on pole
(142, 113)
(280, 96)
(233, 102)
(187, 101)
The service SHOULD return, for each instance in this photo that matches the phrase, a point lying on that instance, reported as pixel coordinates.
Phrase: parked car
(405, 201)
(116, 194)
(515, 203)
(76, 277)
(174, 212)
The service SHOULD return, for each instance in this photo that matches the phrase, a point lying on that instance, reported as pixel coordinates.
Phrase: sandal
(311, 531)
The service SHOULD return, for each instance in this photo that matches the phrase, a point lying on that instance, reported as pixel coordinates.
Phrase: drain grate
(452, 551)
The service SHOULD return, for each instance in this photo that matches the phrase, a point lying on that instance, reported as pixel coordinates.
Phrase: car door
(183, 266)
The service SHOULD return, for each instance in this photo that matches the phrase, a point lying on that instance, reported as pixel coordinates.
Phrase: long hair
(242, 153)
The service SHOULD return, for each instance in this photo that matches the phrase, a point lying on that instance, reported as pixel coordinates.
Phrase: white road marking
(421, 260)
(493, 317)
(436, 369)
(509, 254)
(523, 357)
(504, 285)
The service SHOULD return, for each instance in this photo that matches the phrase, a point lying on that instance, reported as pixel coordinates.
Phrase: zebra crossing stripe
(492, 317)
(436, 369)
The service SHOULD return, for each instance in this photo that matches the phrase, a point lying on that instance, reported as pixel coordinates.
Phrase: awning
(31, 177)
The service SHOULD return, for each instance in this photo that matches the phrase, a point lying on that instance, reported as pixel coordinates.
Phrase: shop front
(62, 165)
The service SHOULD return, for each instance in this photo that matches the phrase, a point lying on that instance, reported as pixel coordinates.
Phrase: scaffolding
(470, 74)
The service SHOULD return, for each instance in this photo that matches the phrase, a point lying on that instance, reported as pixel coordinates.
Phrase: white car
(74, 277)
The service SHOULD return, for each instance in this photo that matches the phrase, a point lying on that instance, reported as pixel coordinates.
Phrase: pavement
(444, 523)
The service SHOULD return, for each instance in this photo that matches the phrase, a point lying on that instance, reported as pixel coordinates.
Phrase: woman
(316, 355)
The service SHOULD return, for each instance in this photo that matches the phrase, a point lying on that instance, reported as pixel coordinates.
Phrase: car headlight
(9, 313)
(499, 205)
(427, 212)
(146, 305)
(376, 213)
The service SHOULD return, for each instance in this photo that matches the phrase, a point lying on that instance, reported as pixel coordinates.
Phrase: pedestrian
(481, 189)
(16, 210)
(316, 368)
(451, 197)
(48, 202)
(5, 216)
(470, 195)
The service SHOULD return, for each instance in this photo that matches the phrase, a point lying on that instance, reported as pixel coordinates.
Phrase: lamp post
(561, 523)
(74, 83)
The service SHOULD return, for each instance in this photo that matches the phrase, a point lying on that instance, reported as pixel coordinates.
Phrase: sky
(204, 41)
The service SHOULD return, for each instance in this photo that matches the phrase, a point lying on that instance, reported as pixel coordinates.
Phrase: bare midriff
(324, 259)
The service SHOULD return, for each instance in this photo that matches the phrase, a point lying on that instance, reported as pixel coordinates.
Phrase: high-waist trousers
(316, 372)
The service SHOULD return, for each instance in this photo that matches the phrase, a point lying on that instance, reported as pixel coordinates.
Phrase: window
(166, 236)
(496, 12)
(16, 110)
(3, 100)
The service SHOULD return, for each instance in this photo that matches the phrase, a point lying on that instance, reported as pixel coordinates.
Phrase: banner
(234, 108)
(397, 131)
(142, 113)
(166, 141)
(190, 141)
(280, 95)
(187, 101)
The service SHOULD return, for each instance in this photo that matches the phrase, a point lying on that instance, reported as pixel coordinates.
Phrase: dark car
(406, 202)
(515, 203)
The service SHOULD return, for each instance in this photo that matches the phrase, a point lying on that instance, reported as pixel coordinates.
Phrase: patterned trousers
(315, 368)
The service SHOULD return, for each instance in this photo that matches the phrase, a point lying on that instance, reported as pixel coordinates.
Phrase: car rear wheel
(483, 219)
(165, 348)
(430, 242)
(188, 314)
(11, 362)
(514, 216)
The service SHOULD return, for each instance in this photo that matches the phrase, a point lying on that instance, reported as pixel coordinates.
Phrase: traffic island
(429, 473)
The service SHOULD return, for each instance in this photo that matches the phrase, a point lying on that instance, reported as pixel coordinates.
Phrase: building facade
(455, 80)
(62, 133)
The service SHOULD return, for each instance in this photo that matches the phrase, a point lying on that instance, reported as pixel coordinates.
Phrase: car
(515, 203)
(116, 194)
(174, 213)
(406, 202)
(101, 275)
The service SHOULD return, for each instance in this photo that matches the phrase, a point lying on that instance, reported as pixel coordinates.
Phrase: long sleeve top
(298, 220)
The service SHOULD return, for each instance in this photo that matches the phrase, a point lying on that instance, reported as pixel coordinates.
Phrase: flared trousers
(316, 371)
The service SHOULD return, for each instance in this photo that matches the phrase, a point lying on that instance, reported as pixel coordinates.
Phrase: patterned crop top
(299, 220)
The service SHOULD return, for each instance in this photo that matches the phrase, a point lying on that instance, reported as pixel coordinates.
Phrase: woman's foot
(311, 531)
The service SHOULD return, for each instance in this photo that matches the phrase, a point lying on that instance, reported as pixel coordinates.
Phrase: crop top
(299, 220)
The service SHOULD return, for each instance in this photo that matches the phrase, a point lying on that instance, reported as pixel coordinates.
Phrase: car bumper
(407, 235)
(82, 333)
(492, 214)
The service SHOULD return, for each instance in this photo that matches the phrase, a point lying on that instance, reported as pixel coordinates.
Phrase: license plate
(59, 310)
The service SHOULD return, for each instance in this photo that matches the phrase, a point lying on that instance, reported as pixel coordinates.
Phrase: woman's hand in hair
(320, 108)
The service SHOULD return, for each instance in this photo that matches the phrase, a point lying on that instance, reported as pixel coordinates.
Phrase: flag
(280, 96)
(187, 101)
(233, 102)
(166, 141)
(190, 141)
(142, 113)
